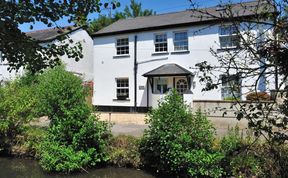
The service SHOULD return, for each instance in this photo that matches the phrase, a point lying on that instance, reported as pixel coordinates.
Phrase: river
(21, 168)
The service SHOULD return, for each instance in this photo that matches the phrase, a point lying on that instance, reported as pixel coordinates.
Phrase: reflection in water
(19, 168)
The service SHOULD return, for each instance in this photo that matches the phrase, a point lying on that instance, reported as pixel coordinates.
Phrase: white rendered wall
(5, 75)
(84, 67)
(107, 67)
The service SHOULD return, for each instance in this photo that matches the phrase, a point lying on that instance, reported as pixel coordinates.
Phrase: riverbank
(15, 167)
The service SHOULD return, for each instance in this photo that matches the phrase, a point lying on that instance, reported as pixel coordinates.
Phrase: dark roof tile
(51, 33)
(178, 18)
(168, 70)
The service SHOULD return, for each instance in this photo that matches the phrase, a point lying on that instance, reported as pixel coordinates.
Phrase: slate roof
(51, 33)
(182, 18)
(168, 70)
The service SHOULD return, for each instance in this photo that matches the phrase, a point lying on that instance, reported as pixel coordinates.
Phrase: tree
(179, 142)
(20, 50)
(135, 10)
(76, 138)
(132, 11)
(259, 59)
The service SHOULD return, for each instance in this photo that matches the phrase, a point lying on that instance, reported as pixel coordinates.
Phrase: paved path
(128, 129)
(134, 124)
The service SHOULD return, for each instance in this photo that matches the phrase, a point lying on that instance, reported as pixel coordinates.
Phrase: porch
(166, 77)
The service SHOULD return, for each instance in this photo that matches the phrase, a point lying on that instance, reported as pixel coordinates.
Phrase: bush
(33, 136)
(240, 161)
(73, 128)
(262, 96)
(178, 142)
(17, 108)
(124, 151)
(232, 141)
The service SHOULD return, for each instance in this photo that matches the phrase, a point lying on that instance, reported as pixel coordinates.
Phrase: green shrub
(17, 108)
(178, 142)
(246, 165)
(232, 141)
(73, 127)
(124, 151)
(33, 136)
(240, 159)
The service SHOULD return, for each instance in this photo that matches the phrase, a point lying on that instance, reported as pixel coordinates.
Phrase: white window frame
(119, 96)
(155, 43)
(121, 46)
(162, 82)
(182, 40)
(229, 37)
(229, 85)
(182, 90)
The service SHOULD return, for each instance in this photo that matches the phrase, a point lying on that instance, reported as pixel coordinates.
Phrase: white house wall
(107, 67)
(84, 67)
(5, 75)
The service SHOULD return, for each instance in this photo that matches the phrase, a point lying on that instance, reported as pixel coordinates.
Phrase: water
(19, 168)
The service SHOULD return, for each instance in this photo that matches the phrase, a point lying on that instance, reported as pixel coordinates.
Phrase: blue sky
(160, 6)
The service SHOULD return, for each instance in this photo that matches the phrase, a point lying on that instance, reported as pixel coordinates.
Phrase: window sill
(121, 56)
(160, 53)
(228, 49)
(121, 99)
(181, 52)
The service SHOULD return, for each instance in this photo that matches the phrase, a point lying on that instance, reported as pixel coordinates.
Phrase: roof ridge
(51, 29)
(204, 8)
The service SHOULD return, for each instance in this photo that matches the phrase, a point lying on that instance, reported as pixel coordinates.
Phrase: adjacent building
(82, 68)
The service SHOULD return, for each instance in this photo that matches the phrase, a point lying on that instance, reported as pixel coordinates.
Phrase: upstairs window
(161, 43)
(122, 46)
(231, 87)
(122, 88)
(180, 41)
(228, 37)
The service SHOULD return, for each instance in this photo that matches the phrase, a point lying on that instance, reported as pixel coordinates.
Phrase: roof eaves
(49, 39)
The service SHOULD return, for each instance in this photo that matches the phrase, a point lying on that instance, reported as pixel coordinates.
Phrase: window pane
(122, 89)
(122, 41)
(181, 36)
(180, 41)
(161, 85)
(161, 47)
(161, 38)
(122, 46)
(231, 86)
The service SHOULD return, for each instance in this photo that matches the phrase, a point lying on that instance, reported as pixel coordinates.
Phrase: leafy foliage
(17, 102)
(131, 11)
(76, 138)
(20, 50)
(124, 151)
(259, 60)
(179, 142)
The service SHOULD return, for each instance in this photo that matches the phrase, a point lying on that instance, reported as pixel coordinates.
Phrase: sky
(160, 6)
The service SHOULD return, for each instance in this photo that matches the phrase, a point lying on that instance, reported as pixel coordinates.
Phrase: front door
(181, 85)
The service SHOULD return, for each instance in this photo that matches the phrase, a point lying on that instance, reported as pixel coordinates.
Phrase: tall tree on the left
(19, 50)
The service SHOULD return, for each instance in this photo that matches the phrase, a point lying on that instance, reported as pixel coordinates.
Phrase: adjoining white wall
(84, 67)
(5, 75)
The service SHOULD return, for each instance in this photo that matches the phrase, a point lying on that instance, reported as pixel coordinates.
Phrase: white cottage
(82, 68)
(137, 61)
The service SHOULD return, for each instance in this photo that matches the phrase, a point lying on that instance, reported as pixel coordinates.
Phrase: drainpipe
(135, 73)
